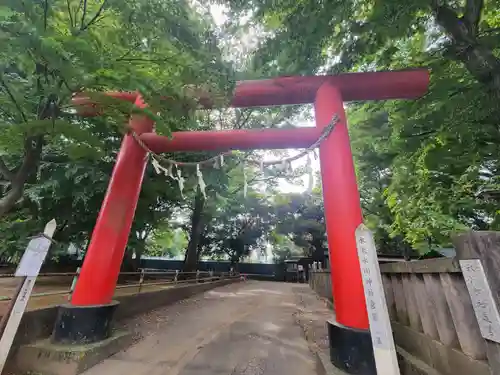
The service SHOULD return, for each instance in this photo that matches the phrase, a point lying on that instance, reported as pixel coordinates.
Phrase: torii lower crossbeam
(266, 139)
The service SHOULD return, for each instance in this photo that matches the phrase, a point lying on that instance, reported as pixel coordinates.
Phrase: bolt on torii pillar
(87, 317)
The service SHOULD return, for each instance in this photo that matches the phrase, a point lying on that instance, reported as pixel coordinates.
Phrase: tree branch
(134, 47)
(69, 14)
(45, 13)
(252, 181)
(420, 134)
(245, 121)
(472, 15)
(96, 16)
(7, 173)
(479, 59)
(84, 13)
(33, 150)
(493, 30)
(364, 208)
(139, 59)
(10, 199)
(13, 99)
(449, 20)
(77, 10)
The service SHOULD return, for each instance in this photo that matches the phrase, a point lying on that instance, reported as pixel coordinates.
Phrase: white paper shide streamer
(245, 183)
(180, 181)
(201, 183)
(217, 162)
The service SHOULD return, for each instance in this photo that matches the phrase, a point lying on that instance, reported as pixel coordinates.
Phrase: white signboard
(482, 299)
(378, 315)
(33, 257)
(28, 269)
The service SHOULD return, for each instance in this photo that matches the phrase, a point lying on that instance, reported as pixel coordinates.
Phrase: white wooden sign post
(28, 270)
(482, 299)
(380, 326)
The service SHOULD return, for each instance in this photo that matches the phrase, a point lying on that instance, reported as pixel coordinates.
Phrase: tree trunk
(319, 251)
(191, 257)
(32, 152)
(235, 261)
(199, 250)
(479, 59)
(127, 263)
(137, 261)
(11, 198)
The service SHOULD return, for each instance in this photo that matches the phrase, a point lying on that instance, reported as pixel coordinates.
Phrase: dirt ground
(246, 328)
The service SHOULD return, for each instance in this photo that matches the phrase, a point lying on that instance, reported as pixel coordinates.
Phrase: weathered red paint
(404, 84)
(100, 270)
(342, 210)
(99, 274)
(232, 140)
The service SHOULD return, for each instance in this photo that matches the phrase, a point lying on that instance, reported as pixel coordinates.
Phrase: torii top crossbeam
(405, 84)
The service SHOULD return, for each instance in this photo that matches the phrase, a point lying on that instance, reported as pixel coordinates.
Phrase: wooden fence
(432, 313)
(321, 283)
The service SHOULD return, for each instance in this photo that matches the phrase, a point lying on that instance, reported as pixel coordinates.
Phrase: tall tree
(344, 34)
(301, 217)
(238, 229)
(284, 248)
(422, 165)
(227, 181)
(167, 240)
(56, 48)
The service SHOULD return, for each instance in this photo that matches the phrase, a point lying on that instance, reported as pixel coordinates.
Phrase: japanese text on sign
(482, 299)
(374, 292)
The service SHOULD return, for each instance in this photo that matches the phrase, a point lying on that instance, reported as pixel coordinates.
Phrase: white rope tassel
(158, 168)
(309, 170)
(262, 166)
(201, 183)
(169, 173)
(283, 166)
(245, 183)
(180, 180)
(161, 169)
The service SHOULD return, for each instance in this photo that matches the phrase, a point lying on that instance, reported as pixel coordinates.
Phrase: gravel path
(240, 329)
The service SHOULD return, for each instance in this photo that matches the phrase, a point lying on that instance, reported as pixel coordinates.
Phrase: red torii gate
(94, 290)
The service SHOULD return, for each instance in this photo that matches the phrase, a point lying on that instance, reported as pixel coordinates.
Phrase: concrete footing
(47, 358)
(351, 349)
(80, 325)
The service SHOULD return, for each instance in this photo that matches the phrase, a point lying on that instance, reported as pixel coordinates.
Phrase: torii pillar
(88, 316)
